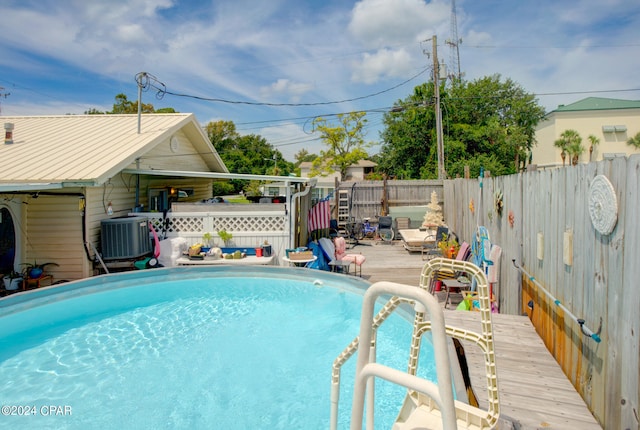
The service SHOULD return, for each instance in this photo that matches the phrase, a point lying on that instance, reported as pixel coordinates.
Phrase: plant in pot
(225, 236)
(34, 270)
(12, 280)
(206, 242)
(449, 246)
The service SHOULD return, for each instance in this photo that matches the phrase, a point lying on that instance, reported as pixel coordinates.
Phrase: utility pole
(442, 174)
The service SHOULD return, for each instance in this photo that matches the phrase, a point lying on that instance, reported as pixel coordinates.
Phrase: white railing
(249, 229)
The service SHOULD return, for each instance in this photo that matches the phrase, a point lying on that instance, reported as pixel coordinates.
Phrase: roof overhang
(217, 175)
(30, 187)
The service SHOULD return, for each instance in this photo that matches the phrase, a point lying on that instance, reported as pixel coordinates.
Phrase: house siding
(162, 157)
(53, 233)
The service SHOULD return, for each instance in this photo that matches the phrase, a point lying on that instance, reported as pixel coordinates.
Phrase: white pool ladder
(426, 405)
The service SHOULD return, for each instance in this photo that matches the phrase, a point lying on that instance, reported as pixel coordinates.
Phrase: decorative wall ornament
(472, 208)
(498, 203)
(511, 218)
(603, 205)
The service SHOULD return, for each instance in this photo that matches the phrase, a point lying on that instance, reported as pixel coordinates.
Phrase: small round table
(299, 263)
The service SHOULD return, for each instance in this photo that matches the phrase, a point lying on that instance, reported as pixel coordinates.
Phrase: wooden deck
(534, 392)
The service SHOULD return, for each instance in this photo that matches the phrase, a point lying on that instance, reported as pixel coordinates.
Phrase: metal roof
(76, 150)
(599, 103)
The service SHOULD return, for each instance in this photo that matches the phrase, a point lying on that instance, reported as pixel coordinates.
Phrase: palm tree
(576, 149)
(594, 142)
(562, 144)
(634, 141)
(570, 143)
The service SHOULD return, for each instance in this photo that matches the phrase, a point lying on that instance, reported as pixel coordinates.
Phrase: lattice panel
(232, 224)
(185, 224)
(249, 224)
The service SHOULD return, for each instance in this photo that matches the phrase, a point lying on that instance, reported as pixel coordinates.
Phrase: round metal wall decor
(603, 205)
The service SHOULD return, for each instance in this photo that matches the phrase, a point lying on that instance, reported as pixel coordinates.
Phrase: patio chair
(338, 258)
(454, 282)
(385, 228)
(430, 244)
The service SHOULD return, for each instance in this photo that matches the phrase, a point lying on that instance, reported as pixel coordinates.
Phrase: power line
(627, 45)
(161, 91)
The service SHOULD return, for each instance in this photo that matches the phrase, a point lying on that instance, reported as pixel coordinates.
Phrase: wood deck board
(533, 390)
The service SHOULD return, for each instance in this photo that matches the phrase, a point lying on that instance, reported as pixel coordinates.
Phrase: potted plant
(12, 281)
(225, 236)
(206, 241)
(35, 270)
(449, 246)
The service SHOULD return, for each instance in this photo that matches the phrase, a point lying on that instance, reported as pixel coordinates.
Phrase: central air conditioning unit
(125, 238)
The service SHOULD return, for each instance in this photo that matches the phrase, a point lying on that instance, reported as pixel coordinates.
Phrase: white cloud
(292, 90)
(384, 23)
(395, 30)
(385, 63)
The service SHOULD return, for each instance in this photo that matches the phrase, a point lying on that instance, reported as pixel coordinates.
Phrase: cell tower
(454, 43)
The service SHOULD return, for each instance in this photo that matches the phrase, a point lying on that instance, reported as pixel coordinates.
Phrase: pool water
(224, 350)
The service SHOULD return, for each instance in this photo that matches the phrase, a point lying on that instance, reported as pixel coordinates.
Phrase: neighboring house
(613, 121)
(61, 175)
(326, 184)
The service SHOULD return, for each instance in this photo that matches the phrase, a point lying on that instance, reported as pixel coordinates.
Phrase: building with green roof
(612, 121)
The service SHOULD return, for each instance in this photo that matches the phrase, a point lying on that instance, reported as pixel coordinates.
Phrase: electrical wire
(147, 81)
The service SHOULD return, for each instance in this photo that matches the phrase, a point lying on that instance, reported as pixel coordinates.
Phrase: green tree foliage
(570, 143)
(249, 154)
(634, 141)
(304, 156)
(344, 142)
(123, 105)
(487, 123)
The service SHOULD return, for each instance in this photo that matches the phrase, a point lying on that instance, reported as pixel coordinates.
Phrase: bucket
(258, 252)
(438, 286)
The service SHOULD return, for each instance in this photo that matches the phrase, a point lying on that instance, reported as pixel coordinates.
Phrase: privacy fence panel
(546, 227)
(367, 197)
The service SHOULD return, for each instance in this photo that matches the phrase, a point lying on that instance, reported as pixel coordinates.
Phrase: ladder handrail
(364, 369)
(366, 346)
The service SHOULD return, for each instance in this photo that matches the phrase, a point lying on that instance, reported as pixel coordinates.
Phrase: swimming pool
(215, 347)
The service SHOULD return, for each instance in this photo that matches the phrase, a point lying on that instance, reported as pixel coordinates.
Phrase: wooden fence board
(628, 285)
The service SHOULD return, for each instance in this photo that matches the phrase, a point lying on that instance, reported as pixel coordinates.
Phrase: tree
(304, 156)
(123, 105)
(634, 141)
(594, 141)
(563, 145)
(344, 141)
(484, 121)
(249, 154)
(570, 143)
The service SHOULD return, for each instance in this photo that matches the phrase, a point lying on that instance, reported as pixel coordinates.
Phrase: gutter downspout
(294, 210)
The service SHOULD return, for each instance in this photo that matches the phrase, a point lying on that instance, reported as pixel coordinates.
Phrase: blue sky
(67, 56)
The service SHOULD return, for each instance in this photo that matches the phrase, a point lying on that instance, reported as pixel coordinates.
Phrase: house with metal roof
(60, 176)
(612, 121)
